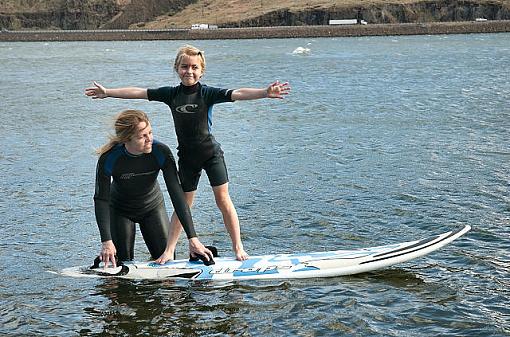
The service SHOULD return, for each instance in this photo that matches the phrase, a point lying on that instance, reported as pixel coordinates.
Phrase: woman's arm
(179, 201)
(99, 91)
(102, 212)
(183, 213)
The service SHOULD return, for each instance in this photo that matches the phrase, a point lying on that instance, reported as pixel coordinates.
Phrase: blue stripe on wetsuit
(116, 152)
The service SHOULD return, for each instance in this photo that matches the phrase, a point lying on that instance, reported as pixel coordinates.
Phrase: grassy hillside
(30, 6)
(224, 11)
(92, 14)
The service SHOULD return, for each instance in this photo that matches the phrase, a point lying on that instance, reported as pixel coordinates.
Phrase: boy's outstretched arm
(98, 91)
(274, 90)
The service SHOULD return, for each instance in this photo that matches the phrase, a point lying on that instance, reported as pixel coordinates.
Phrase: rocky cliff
(118, 14)
(57, 14)
(83, 14)
(423, 11)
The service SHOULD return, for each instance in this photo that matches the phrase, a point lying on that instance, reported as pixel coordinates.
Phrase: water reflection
(176, 308)
(145, 308)
(184, 308)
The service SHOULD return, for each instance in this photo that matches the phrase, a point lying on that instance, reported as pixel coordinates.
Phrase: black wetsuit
(128, 192)
(192, 113)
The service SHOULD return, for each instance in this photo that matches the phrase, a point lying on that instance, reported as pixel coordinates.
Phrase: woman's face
(190, 70)
(141, 142)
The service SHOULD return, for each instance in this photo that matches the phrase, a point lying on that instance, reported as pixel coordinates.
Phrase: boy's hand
(97, 91)
(277, 90)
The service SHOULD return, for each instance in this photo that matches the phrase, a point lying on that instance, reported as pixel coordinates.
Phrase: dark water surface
(383, 139)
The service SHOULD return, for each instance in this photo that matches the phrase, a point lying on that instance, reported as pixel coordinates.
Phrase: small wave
(302, 51)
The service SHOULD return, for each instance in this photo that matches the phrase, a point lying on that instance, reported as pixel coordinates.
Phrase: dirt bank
(165, 14)
(262, 32)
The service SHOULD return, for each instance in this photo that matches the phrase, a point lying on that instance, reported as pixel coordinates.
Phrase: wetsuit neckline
(131, 154)
(190, 89)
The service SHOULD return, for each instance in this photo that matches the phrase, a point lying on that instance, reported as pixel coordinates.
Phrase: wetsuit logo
(133, 175)
(185, 109)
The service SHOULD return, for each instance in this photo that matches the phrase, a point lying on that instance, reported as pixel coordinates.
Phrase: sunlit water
(383, 139)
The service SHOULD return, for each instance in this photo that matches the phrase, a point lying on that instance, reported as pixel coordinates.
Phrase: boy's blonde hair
(189, 50)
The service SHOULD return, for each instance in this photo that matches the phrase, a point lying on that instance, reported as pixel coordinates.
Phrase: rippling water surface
(383, 139)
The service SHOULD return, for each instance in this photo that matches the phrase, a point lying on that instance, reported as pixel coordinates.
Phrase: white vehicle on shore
(203, 26)
(347, 22)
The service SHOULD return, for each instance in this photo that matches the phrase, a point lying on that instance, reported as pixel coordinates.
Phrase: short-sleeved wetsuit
(192, 113)
(128, 192)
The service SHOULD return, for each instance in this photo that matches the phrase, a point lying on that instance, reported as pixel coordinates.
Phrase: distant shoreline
(430, 28)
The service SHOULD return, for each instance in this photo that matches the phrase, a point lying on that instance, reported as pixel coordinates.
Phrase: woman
(127, 192)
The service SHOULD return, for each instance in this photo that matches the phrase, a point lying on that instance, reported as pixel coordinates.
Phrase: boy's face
(190, 71)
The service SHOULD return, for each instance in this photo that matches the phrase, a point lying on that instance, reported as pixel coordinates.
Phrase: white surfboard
(280, 266)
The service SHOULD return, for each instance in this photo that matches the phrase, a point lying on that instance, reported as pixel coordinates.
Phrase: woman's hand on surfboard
(197, 248)
(108, 252)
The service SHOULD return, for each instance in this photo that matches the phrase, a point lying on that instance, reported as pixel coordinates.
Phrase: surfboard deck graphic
(279, 266)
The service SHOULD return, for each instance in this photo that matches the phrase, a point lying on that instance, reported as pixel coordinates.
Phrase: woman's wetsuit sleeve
(102, 201)
(177, 196)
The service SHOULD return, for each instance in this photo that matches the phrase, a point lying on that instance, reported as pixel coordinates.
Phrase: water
(383, 139)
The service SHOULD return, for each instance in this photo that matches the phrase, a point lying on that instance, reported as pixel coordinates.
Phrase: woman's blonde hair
(188, 50)
(125, 126)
